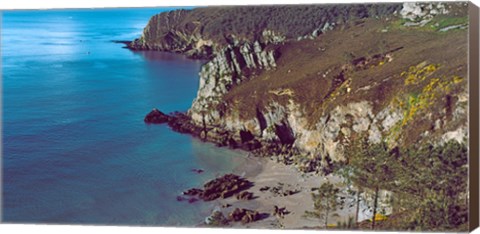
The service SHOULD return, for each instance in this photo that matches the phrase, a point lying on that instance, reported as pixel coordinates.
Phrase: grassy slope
(302, 65)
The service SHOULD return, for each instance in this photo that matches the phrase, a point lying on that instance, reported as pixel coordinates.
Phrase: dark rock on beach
(280, 190)
(244, 195)
(280, 211)
(264, 188)
(244, 215)
(216, 219)
(222, 187)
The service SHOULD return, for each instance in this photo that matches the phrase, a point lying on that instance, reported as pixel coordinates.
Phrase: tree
(433, 180)
(371, 168)
(354, 194)
(429, 181)
(325, 201)
(357, 204)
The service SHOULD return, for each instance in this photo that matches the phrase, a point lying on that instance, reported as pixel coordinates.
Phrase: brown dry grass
(303, 63)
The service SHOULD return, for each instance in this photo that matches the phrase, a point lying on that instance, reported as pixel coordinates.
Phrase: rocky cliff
(230, 66)
(391, 72)
(204, 32)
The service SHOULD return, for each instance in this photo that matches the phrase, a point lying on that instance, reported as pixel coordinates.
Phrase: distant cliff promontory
(204, 31)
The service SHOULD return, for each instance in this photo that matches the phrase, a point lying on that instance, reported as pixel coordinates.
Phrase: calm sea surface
(75, 148)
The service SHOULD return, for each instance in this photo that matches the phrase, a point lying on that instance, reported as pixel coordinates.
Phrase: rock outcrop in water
(156, 117)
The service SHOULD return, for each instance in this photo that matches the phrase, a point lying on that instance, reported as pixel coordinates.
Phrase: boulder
(193, 192)
(264, 188)
(216, 219)
(156, 117)
(280, 190)
(280, 212)
(245, 195)
(222, 187)
(244, 215)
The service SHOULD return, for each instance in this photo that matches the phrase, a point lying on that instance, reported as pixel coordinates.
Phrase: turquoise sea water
(75, 148)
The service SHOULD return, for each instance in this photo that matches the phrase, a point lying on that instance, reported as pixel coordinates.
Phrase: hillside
(317, 76)
(309, 84)
(385, 71)
(203, 31)
(401, 78)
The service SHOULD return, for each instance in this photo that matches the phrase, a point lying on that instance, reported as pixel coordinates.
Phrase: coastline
(267, 172)
(241, 118)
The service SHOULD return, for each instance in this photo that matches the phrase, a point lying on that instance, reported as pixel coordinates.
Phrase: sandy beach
(265, 172)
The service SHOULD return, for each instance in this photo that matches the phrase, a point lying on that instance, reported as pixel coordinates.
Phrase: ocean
(75, 147)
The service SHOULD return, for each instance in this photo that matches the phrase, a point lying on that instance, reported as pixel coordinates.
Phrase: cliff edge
(304, 82)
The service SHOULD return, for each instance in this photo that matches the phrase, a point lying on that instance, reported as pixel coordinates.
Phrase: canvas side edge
(473, 116)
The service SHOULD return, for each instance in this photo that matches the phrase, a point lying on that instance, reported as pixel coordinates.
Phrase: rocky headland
(257, 90)
(302, 83)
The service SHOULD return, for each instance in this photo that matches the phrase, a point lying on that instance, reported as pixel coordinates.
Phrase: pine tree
(325, 201)
(371, 168)
(434, 182)
(354, 194)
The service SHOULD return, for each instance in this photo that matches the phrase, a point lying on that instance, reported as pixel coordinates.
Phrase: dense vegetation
(248, 22)
(291, 21)
(429, 183)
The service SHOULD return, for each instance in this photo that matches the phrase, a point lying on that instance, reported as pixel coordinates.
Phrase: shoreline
(265, 172)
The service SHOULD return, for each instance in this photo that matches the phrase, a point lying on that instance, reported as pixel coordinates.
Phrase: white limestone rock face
(223, 72)
(412, 10)
(270, 36)
(459, 135)
(331, 132)
(419, 14)
(327, 137)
